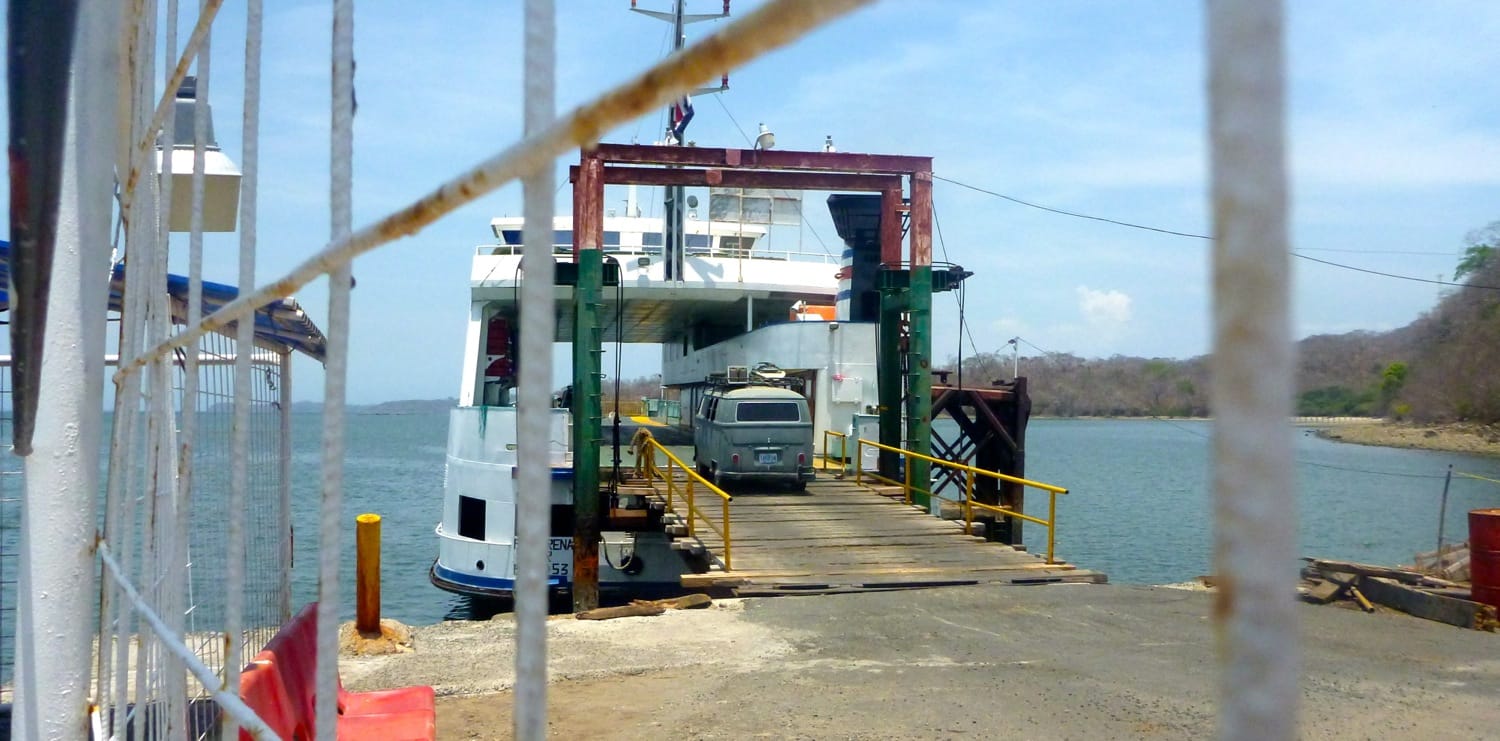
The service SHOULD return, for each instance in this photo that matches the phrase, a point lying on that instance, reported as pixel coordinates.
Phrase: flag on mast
(682, 115)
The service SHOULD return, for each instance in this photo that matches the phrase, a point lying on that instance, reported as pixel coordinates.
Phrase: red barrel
(1484, 555)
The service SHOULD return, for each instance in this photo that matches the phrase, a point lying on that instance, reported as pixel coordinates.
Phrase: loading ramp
(840, 536)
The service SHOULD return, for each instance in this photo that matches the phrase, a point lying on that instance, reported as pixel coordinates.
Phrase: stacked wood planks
(1406, 590)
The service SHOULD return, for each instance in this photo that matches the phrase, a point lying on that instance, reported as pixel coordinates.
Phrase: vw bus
(751, 432)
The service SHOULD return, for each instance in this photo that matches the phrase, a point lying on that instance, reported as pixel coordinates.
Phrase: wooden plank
(847, 541)
(1324, 592)
(745, 576)
(1422, 604)
(1405, 576)
(916, 580)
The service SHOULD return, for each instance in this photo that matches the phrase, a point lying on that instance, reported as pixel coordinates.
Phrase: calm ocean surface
(1139, 508)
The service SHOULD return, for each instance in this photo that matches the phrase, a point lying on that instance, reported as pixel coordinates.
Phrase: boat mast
(673, 241)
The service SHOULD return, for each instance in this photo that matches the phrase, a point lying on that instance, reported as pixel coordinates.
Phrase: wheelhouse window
(736, 246)
(560, 237)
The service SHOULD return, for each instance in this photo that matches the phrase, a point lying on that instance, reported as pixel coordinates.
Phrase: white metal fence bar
(1255, 492)
(773, 25)
(170, 578)
(56, 549)
(189, 410)
(250, 174)
(533, 488)
(341, 146)
(134, 539)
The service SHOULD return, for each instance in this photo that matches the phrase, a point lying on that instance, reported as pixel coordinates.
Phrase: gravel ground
(1085, 661)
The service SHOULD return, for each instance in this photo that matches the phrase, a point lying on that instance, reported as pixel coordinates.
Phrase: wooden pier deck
(840, 536)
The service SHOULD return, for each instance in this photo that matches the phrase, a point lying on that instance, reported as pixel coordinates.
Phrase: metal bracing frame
(992, 437)
(903, 378)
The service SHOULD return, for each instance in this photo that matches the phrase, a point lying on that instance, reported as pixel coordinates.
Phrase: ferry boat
(737, 300)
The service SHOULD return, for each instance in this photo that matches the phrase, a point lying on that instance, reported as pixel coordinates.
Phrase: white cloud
(1104, 307)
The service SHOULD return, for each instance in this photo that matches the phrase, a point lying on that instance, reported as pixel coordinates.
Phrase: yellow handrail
(693, 477)
(843, 444)
(968, 501)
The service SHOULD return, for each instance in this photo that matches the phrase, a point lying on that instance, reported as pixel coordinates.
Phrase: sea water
(1139, 506)
(1138, 509)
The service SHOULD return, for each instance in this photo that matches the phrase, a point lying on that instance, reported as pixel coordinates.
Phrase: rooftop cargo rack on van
(763, 374)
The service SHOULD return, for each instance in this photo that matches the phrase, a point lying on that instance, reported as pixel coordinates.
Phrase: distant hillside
(1443, 367)
(405, 406)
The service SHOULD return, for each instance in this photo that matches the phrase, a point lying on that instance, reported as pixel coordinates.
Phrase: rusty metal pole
(367, 571)
(588, 235)
(919, 342)
(1255, 491)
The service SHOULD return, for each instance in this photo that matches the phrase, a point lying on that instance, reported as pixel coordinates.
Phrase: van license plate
(768, 459)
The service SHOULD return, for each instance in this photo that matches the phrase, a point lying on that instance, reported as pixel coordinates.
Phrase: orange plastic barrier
(282, 689)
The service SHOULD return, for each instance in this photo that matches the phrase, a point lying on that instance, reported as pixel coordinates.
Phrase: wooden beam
(1423, 604)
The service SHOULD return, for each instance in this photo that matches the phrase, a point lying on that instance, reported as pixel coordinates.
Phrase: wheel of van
(799, 486)
(718, 477)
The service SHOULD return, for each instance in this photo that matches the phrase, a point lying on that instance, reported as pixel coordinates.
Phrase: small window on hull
(471, 518)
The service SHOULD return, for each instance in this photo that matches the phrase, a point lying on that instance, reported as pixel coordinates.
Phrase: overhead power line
(1427, 253)
(1207, 238)
(1074, 214)
(1433, 281)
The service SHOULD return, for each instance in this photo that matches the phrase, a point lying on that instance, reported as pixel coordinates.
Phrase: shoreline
(1450, 437)
(1468, 438)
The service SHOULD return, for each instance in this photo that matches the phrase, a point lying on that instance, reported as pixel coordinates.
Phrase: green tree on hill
(1481, 247)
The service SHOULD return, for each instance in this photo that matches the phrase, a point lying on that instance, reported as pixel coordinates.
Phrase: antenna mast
(678, 116)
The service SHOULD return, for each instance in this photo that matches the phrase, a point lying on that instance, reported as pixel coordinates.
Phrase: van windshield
(767, 411)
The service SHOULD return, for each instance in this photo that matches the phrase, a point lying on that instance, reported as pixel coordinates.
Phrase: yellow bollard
(367, 570)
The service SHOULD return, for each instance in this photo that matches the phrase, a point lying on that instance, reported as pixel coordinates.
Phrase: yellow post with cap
(367, 570)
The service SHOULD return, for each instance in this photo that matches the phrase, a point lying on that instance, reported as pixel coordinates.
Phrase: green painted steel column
(919, 380)
(888, 377)
(587, 429)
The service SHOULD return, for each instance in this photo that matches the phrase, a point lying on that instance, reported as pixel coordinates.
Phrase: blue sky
(1089, 106)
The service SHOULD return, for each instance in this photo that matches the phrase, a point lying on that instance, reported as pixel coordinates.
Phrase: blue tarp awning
(280, 325)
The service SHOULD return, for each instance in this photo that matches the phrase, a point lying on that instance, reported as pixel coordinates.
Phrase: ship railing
(686, 491)
(968, 503)
(566, 250)
(843, 442)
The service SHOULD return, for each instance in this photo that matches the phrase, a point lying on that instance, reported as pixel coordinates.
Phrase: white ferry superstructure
(735, 302)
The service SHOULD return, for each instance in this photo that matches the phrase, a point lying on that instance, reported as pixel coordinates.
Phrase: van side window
(767, 411)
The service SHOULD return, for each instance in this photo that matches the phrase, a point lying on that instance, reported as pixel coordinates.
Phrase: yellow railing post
(367, 569)
(859, 455)
(671, 484)
(691, 480)
(968, 502)
(727, 540)
(1051, 524)
(692, 508)
(906, 469)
